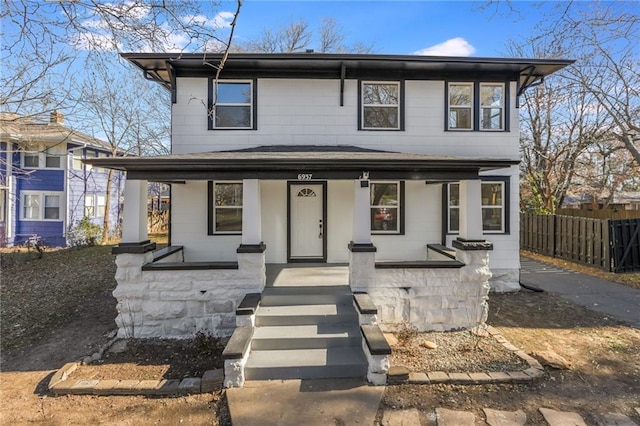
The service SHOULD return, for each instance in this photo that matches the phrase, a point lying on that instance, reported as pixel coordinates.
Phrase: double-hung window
(380, 106)
(41, 206)
(385, 207)
(52, 160)
(491, 106)
(232, 105)
(31, 160)
(493, 207)
(476, 106)
(460, 106)
(89, 205)
(227, 207)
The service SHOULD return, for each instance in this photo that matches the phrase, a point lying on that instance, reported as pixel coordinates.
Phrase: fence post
(606, 245)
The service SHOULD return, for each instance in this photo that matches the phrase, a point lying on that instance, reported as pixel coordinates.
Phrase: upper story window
(386, 207)
(491, 106)
(381, 105)
(227, 207)
(90, 154)
(232, 105)
(494, 207)
(477, 106)
(461, 106)
(77, 159)
(41, 157)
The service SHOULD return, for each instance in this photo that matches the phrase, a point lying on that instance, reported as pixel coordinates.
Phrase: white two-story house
(403, 168)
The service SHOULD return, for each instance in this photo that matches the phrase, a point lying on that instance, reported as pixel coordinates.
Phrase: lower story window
(41, 206)
(493, 207)
(227, 207)
(385, 207)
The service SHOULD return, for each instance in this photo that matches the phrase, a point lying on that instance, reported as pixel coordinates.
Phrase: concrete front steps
(305, 333)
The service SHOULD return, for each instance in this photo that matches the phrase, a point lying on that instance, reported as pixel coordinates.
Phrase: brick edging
(60, 384)
(535, 370)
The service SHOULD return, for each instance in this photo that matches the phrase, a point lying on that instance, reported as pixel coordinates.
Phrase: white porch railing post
(134, 224)
(470, 210)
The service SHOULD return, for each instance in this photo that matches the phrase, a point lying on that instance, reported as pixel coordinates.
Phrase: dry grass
(631, 279)
(40, 294)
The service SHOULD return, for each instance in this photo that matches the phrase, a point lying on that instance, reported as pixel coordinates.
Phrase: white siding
(274, 220)
(308, 112)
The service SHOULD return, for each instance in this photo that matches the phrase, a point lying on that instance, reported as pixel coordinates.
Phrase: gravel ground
(456, 352)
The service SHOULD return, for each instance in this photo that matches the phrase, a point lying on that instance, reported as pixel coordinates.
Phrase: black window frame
(211, 209)
(476, 108)
(506, 181)
(401, 208)
(254, 104)
(401, 105)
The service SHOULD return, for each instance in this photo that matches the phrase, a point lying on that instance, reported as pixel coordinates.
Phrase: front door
(306, 224)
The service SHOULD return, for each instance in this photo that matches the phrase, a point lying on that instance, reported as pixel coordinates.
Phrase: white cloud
(452, 47)
(221, 20)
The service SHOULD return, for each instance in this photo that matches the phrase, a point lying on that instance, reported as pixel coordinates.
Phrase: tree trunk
(107, 208)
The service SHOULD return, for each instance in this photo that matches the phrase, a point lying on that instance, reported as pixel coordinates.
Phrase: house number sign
(305, 176)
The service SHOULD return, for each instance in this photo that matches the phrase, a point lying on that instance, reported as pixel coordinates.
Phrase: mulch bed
(456, 352)
(152, 359)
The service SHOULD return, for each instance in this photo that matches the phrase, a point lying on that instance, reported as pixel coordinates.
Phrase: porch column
(251, 257)
(470, 210)
(134, 224)
(362, 253)
(362, 213)
(251, 217)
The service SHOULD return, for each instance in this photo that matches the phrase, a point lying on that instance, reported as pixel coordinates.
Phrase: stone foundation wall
(430, 299)
(179, 303)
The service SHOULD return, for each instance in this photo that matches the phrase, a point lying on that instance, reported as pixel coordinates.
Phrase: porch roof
(314, 162)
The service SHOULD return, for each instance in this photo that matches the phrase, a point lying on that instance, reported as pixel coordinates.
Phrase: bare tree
(133, 121)
(299, 36)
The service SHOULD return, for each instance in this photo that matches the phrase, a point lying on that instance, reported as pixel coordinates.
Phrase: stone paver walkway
(505, 418)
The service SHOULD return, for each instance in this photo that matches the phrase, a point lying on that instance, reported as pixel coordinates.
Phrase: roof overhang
(301, 165)
(165, 67)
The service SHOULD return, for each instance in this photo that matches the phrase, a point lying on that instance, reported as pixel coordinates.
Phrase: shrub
(86, 233)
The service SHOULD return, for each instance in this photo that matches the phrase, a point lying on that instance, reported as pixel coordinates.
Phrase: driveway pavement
(616, 300)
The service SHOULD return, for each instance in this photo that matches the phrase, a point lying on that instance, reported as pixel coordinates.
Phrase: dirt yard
(59, 308)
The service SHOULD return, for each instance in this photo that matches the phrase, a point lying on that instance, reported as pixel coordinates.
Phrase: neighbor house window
(31, 206)
(89, 205)
(52, 207)
(385, 207)
(380, 105)
(31, 160)
(232, 106)
(88, 155)
(227, 207)
(491, 106)
(477, 106)
(52, 160)
(77, 159)
(41, 206)
(460, 106)
(493, 207)
(101, 202)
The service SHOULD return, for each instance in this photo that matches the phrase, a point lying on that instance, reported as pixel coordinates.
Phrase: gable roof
(165, 67)
(28, 129)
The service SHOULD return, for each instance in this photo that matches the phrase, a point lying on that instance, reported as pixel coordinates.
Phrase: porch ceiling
(319, 162)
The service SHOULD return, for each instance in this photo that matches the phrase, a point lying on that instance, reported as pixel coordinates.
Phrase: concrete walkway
(616, 300)
(318, 402)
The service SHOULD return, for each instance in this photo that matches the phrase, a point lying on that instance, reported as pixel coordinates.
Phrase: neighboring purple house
(45, 189)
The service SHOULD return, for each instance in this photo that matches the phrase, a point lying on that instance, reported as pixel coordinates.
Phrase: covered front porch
(308, 206)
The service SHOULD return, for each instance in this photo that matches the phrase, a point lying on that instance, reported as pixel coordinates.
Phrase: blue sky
(399, 27)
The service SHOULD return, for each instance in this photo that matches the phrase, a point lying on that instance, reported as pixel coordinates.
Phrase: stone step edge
(535, 371)
(60, 384)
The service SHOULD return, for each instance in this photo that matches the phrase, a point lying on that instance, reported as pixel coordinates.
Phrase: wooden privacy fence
(611, 245)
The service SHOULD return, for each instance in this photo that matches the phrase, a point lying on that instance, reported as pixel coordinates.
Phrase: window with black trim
(386, 207)
(494, 206)
(227, 207)
(232, 105)
(380, 105)
(477, 106)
